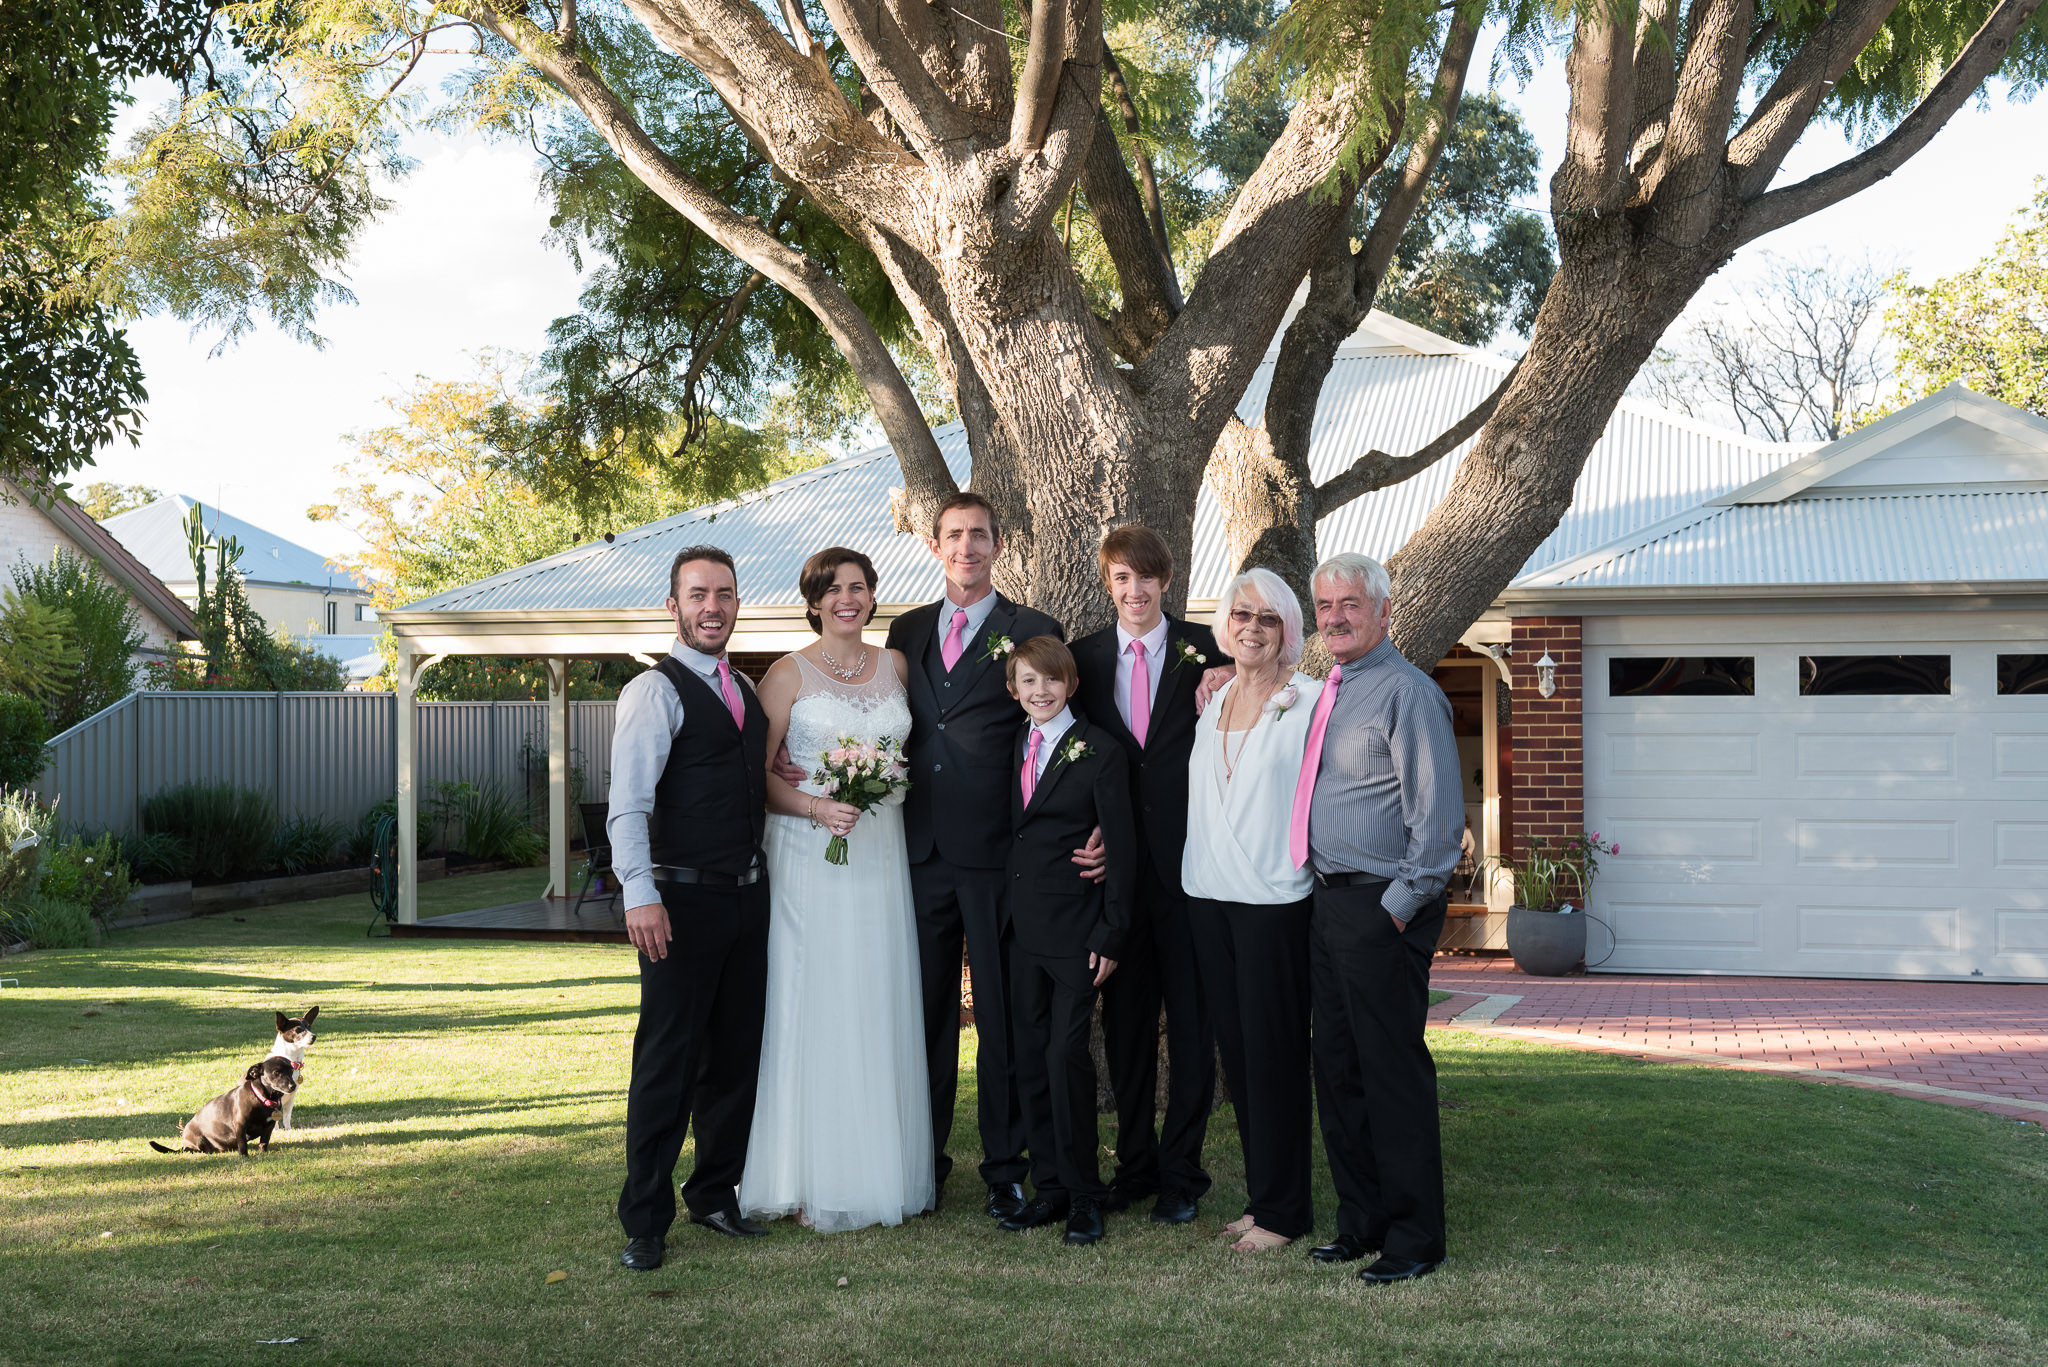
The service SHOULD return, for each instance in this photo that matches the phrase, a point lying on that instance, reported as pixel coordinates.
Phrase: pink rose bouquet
(860, 775)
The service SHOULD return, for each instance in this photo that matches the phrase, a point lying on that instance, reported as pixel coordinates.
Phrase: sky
(459, 266)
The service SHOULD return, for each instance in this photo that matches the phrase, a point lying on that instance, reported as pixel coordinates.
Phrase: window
(333, 617)
(2023, 673)
(365, 613)
(1822, 676)
(1698, 676)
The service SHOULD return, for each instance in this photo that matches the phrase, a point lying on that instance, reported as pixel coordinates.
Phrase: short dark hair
(1047, 655)
(819, 572)
(1138, 547)
(967, 498)
(711, 553)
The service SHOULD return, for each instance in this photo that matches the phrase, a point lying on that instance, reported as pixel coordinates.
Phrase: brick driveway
(1981, 1045)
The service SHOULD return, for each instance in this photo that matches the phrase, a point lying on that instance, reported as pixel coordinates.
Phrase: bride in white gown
(842, 1120)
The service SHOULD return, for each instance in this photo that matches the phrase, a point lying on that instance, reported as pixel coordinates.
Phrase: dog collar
(253, 1091)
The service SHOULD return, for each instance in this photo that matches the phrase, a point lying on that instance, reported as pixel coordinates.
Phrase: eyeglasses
(1244, 617)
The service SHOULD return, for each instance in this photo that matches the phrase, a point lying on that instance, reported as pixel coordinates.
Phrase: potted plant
(1546, 934)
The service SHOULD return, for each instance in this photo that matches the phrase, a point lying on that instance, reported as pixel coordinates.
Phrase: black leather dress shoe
(1173, 1208)
(1345, 1248)
(641, 1255)
(1084, 1223)
(1005, 1199)
(1037, 1211)
(731, 1224)
(1387, 1271)
(1124, 1195)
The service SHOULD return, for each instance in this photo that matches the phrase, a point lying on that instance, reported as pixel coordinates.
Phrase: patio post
(558, 776)
(408, 753)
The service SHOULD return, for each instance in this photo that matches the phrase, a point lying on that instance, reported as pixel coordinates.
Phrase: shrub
(51, 923)
(303, 842)
(23, 729)
(104, 633)
(365, 833)
(89, 873)
(157, 858)
(21, 870)
(229, 832)
(495, 825)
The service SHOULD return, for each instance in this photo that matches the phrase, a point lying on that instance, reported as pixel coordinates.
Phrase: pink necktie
(731, 691)
(1312, 760)
(956, 639)
(1031, 748)
(1141, 693)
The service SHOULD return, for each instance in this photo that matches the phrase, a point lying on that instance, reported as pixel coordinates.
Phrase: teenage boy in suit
(1138, 683)
(1065, 933)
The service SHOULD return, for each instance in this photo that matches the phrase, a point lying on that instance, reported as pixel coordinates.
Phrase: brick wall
(1549, 794)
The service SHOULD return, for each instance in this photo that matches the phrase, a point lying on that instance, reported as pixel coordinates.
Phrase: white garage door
(1824, 831)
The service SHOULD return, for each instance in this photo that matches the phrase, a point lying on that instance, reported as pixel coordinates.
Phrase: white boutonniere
(1076, 749)
(1281, 701)
(999, 648)
(1184, 653)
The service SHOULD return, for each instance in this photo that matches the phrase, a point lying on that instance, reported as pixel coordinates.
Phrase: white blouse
(1237, 830)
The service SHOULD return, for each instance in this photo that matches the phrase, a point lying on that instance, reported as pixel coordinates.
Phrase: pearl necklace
(849, 675)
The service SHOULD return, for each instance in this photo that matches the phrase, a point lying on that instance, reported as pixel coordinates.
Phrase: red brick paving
(1985, 1039)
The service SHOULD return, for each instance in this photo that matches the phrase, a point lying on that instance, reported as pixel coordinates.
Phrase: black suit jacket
(1159, 768)
(960, 738)
(1056, 912)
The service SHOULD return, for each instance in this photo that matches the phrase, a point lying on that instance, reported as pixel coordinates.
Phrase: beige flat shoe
(1239, 1227)
(1258, 1240)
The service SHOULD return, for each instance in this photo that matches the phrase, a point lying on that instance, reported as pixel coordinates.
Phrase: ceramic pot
(1546, 944)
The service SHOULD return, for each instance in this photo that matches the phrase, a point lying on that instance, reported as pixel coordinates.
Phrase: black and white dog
(294, 1037)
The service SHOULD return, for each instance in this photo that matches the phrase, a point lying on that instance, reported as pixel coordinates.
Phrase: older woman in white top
(1248, 903)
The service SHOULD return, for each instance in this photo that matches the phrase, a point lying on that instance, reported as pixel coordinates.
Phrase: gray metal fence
(326, 755)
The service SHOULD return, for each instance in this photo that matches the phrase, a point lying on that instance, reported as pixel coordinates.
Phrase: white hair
(1362, 572)
(1267, 590)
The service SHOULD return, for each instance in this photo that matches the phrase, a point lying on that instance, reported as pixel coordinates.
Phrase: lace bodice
(827, 708)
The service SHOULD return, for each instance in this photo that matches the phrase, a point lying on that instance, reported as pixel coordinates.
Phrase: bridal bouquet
(861, 775)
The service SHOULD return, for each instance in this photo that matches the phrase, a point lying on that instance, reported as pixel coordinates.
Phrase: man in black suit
(1064, 933)
(1138, 684)
(956, 821)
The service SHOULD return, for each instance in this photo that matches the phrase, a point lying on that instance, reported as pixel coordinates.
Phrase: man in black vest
(1138, 684)
(956, 821)
(689, 758)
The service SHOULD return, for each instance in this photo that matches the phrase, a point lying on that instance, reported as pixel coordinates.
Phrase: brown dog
(233, 1118)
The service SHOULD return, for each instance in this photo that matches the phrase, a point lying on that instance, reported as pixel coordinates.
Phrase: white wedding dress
(842, 1120)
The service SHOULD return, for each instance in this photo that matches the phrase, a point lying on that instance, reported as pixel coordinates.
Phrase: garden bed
(158, 902)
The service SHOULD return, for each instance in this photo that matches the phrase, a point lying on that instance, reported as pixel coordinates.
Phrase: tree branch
(1155, 208)
(1695, 134)
(1785, 110)
(1039, 85)
(1600, 69)
(1461, 38)
(1980, 57)
(1151, 298)
(1377, 469)
(895, 405)
(800, 33)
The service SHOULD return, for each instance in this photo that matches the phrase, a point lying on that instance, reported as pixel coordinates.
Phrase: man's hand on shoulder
(647, 928)
(1213, 680)
(784, 770)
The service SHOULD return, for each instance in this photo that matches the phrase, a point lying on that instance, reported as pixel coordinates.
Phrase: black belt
(706, 877)
(1347, 880)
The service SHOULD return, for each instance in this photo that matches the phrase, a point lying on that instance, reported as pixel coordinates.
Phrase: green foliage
(53, 923)
(228, 832)
(239, 651)
(303, 843)
(22, 869)
(498, 825)
(1548, 871)
(88, 873)
(23, 731)
(361, 840)
(493, 678)
(156, 857)
(1987, 326)
(102, 632)
(103, 499)
(36, 656)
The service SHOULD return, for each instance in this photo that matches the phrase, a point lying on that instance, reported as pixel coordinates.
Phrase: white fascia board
(1555, 575)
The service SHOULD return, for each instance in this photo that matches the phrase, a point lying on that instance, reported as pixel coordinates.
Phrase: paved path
(1982, 1045)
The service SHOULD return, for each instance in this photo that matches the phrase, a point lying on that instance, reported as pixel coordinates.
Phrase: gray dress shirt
(648, 716)
(1389, 798)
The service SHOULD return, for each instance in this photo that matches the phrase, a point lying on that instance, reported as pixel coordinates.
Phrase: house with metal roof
(292, 586)
(1805, 690)
(36, 524)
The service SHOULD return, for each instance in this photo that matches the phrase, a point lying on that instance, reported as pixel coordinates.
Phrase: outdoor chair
(597, 850)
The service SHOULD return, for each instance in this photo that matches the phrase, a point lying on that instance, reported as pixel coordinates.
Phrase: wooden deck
(603, 921)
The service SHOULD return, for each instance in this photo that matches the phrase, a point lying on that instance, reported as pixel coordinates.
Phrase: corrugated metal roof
(155, 535)
(1892, 538)
(1648, 466)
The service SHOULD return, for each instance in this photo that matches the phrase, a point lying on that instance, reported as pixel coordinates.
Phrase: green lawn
(460, 1140)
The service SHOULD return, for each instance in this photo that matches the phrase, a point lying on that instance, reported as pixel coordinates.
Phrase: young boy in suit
(1065, 933)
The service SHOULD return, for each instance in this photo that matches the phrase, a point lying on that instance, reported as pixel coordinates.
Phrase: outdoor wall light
(1546, 675)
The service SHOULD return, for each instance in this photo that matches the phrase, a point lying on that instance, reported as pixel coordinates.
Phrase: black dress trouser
(1255, 971)
(958, 905)
(696, 1055)
(1159, 966)
(1052, 1000)
(1375, 1080)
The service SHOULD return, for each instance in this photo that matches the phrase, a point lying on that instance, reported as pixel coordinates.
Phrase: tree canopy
(1986, 326)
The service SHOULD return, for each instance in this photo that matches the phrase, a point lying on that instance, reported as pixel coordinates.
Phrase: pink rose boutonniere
(1281, 701)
